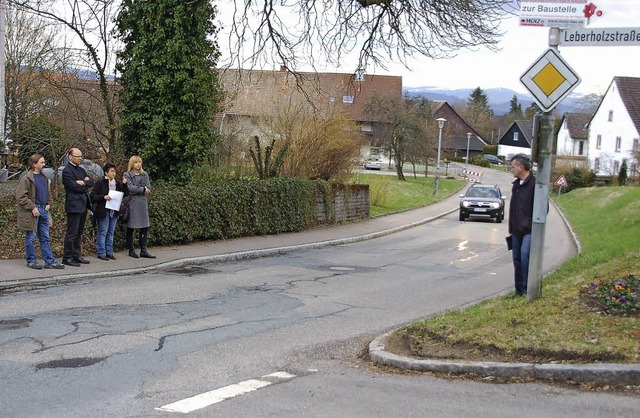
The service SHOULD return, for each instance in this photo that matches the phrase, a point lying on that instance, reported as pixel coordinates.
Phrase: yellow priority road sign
(550, 79)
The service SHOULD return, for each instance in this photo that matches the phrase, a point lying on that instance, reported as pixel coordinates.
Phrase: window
(616, 166)
(580, 147)
(611, 116)
(596, 165)
(635, 145)
(515, 137)
(347, 99)
(599, 142)
(632, 169)
(360, 75)
(618, 143)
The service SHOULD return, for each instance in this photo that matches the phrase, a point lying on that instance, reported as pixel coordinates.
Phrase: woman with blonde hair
(139, 189)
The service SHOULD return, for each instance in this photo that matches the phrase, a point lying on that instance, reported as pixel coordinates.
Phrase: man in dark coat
(76, 185)
(521, 219)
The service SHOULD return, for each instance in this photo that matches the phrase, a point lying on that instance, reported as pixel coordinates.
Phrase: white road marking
(218, 395)
(463, 245)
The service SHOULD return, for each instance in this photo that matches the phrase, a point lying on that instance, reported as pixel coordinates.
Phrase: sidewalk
(15, 274)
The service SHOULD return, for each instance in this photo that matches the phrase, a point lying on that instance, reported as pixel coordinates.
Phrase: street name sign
(550, 79)
(600, 37)
(555, 14)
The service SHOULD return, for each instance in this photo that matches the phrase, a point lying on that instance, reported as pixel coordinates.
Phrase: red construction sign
(561, 181)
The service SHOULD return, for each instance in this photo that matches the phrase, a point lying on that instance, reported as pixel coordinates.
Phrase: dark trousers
(73, 237)
(144, 233)
(520, 253)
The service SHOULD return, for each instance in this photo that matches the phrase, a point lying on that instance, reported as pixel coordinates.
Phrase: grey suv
(482, 200)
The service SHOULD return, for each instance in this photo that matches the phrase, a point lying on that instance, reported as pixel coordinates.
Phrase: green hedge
(228, 209)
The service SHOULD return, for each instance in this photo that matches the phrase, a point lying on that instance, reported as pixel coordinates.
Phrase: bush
(480, 161)
(578, 178)
(181, 214)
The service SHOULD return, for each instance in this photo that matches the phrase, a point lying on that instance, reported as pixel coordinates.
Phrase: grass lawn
(387, 194)
(589, 310)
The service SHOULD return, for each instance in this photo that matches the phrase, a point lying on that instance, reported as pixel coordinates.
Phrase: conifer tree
(169, 86)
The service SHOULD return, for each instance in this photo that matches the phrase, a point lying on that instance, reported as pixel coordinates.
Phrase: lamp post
(441, 122)
(466, 168)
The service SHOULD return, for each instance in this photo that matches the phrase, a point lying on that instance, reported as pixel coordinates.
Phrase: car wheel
(499, 218)
(461, 217)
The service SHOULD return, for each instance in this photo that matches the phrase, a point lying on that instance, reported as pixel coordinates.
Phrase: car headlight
(465, 204)
(495, 205)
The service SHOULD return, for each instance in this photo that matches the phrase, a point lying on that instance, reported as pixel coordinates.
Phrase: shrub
(578, 178)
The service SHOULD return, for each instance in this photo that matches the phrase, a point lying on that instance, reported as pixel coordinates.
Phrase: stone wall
(349, 202)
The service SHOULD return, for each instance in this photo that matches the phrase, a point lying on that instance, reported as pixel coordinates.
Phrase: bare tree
(404, 125)
(86, 53)
(29, 52)
(285, 31)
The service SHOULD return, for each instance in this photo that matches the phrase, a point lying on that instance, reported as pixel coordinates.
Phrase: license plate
(479, 210)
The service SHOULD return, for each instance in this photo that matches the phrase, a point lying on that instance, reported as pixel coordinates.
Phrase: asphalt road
(273, 336)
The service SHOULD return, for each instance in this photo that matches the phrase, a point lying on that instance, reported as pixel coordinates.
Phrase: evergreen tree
(530, 112)
(623, 174)
(478, 113)
(515, 112)
(169, 85)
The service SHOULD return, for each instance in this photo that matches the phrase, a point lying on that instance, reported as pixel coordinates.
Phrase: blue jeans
(42, 233)
(520, 252)
(106, 228)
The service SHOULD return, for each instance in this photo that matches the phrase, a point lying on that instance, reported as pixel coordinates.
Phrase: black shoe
(81, 260)
(517, 295)
(103, 258)
(70, 262)
(145, 254)
(133, 254)
(110, 257)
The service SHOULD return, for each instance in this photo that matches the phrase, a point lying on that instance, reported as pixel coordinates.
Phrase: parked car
(493, 159)
(373, 165)
(482, 200)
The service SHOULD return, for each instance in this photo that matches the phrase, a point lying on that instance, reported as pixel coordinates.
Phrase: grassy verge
(387, 194)
(565, 324)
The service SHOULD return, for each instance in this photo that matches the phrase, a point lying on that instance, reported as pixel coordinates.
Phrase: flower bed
(616, 297)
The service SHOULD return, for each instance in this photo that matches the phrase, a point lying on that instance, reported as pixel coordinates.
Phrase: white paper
(116, 200)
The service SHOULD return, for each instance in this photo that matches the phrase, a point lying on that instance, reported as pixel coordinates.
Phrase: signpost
(561, 182)
(550, 79)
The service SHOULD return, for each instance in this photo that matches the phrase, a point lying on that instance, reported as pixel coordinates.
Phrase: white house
(614, 129)
(573, 135)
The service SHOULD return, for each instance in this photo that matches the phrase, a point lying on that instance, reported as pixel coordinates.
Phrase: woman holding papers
(106, 196)
(139, 189)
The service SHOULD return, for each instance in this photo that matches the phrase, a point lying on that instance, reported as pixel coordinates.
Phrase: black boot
(132, 250)
(143, 244)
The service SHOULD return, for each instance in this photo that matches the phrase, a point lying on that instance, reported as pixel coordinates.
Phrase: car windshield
(478, 192)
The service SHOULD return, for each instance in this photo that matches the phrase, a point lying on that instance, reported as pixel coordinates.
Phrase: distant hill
(499, 98)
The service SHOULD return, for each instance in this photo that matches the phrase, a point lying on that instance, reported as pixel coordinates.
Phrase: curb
(603, 374)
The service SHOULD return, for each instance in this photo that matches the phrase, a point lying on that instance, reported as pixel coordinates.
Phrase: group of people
(34, 199)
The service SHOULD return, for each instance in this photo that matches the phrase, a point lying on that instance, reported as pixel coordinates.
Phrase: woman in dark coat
(139, 188)
(107, 218)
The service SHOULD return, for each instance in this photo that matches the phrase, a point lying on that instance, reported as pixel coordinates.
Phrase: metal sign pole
(543, 152)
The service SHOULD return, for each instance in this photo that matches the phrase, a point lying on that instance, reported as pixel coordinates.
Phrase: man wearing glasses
(76, 185)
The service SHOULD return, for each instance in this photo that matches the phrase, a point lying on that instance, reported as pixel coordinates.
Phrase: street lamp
(441, 122)
(467, 166)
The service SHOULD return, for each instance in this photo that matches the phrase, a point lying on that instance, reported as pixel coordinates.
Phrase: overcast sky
(521, 46)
